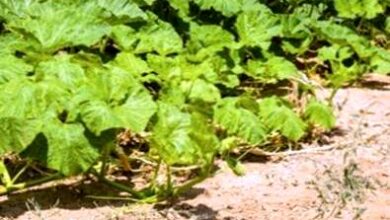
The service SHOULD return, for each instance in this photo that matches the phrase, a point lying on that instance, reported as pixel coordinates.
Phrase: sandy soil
(349, 181)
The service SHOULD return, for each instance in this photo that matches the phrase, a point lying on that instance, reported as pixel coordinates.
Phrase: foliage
(195, 74)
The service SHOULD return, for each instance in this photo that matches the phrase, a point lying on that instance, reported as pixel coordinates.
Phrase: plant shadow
(68, 194)
(74, 194)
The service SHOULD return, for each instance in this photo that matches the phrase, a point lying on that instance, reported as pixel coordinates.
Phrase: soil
(349, 180)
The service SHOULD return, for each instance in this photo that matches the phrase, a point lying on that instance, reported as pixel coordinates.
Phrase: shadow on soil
(70, 197)
(73, 196)
(186, 210)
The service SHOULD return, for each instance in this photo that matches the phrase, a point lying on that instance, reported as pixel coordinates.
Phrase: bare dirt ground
(350, 180)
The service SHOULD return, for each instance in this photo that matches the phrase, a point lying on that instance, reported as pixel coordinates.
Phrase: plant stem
(19, 186)
(105, 153)
(169, 180)
(122, 187)
(4, 175)
(112, 198)
(155, 175)
(21, 171)
(331, 97)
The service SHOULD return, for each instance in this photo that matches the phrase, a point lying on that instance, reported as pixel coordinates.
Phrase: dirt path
(350, 181)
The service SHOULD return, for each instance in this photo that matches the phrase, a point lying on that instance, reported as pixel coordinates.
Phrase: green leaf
(319, 113)
(341, 73)
(125, 10)
(227, 8)
(124, 37)
(279, 117)
(358, 8)
(168, 68)
(296, 32)
(17, 134)
(200, 89)
(208, 39)
(113, 100)
(344, 36)
(137, 110)
(12, 67)
(239, 122)
(180, 138)
(210, 36)
(236, 166)
(148, 2)
(10, 9)
(161, 38)
(131, 63)
(69, 150)
(183, 6)
(55, 25)
(253, 5)
(12, 42)
(62, 69)
(273, 70)
(257, 28)
(25, 99)
(98, 116)
(380, 62)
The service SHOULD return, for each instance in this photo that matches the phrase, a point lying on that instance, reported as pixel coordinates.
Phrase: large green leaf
(26, 99)
(296, 32)
(341, 73)
(202, 90)
(98, 116)
(54, 25)
(344, 36)
(12, 67)
(380, 62)
(62, 69)
(227, 8)
(12, 42)
(124, 37)
(279, 117)
(126, 10)
(358, 8)
(272, 70)
(208, 39)
(10, 9)
(131, 63)
(239, 121)
(180, 138)
(134, 114)
(257, 28)
(137, 110)
(69, 150)
(113, 100)
(17, 134)
(183, 6)
(161, 38)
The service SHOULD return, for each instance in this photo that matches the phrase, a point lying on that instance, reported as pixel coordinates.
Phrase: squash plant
(199, 77)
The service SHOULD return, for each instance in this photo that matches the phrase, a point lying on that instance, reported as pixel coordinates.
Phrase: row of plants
(182, 82)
